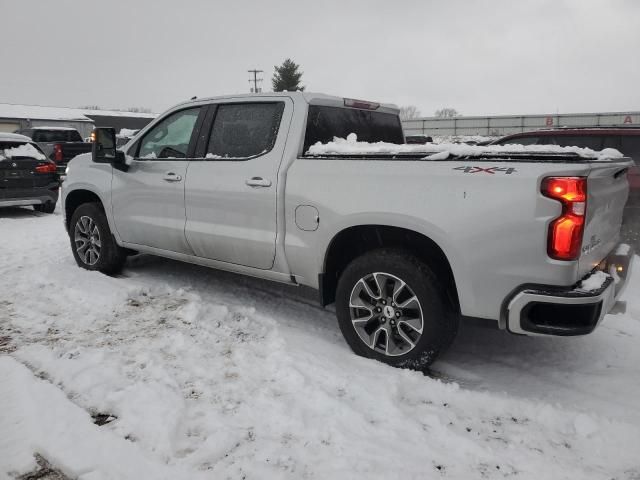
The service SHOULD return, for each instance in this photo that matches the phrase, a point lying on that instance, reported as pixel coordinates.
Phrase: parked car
(626, 140)
(60, 144)
(404, 245)
(27, 176)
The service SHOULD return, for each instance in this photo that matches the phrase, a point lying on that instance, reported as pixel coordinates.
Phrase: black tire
(111, 257)
(439, 317)
(48, 207)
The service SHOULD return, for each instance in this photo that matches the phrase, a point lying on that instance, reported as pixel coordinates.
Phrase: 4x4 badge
(491, 170)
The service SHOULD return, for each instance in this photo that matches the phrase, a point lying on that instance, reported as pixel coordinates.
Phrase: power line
(255, 80)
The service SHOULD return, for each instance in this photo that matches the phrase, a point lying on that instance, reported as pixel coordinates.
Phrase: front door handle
(258, 182)
(172, 177)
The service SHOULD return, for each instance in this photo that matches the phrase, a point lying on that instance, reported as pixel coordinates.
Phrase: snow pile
(210, 375)
(469, 139)
(351, 145)
(594, 282)
(25, 150)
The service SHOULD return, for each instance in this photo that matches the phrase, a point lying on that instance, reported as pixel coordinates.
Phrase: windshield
(324, 123)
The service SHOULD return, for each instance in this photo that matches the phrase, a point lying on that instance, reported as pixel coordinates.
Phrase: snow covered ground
(175, 371)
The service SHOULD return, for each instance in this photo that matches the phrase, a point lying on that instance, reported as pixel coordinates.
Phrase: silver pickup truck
(404, 243)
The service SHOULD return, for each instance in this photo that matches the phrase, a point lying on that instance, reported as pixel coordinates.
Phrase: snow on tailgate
(351, 145)
(204, 374)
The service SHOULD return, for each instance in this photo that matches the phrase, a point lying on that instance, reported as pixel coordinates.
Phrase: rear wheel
(391, 307)
(48, 207)
(92, 243)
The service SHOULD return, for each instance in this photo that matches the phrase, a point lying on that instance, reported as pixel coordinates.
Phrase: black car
(27, 176)
(59, 144)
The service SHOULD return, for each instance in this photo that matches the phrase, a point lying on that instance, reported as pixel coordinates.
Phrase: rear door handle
(258, 182)
(172, 177)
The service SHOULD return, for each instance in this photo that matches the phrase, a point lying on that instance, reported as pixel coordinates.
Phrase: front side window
(244, 130)
(171, 137)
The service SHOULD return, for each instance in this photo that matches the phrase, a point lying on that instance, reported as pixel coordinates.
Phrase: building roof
(38, 112)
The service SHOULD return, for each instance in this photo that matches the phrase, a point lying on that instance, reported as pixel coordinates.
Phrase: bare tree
(447, 112)
(409, 112)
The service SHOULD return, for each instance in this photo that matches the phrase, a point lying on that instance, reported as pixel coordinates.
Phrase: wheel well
(355, 241)
(76, 198)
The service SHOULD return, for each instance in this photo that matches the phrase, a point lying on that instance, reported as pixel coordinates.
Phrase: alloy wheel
(87, 240)
(386, 314)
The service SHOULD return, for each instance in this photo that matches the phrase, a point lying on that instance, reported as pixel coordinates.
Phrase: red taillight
(57, 153)
(46, 168)
(565, 232)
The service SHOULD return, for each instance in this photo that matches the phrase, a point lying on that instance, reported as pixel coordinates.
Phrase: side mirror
(104, 148)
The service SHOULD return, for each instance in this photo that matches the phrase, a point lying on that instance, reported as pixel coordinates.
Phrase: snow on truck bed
(432, 151)
(173, 371)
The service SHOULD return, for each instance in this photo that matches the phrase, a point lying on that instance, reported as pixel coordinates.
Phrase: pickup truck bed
(405, 239)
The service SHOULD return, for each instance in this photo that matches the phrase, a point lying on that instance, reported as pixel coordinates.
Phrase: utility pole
(255, 80)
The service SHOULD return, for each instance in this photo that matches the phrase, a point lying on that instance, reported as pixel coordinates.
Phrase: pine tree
(287, 77)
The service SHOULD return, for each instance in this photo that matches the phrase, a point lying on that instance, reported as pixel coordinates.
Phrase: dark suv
(625, 139)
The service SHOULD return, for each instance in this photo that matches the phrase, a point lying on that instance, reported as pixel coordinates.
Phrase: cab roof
(309, 97)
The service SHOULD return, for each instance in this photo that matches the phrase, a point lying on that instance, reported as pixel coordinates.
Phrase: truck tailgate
(607, 192)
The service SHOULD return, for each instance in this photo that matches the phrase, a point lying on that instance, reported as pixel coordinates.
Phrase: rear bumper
(547, 310)
(33, 196)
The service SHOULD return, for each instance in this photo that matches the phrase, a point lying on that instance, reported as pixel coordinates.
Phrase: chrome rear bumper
(547, 310)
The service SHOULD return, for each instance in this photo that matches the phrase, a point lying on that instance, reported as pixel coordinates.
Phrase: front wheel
(92, 243)
(391, 307)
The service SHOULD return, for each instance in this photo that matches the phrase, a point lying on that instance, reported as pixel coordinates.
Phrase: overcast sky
(480, 57)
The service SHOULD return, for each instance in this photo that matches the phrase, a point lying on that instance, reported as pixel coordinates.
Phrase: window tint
(630, 146)
(519, 141)
(244, 130)
(324, 123)
(593, 142)
(170, 138)
(52, 136)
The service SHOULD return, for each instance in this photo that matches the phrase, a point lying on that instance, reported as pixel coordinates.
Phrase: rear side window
(594, 142)
(324, 123)
(52, 136)
(244, 130)
(20, 149)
